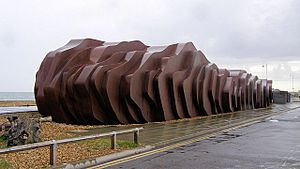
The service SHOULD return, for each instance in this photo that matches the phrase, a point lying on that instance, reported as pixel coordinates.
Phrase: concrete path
(273, 143)
(17, 109)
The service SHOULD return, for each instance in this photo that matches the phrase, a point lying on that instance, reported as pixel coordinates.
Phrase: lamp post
(292, 80)
(266, 71)
(266, 66)
(292, 83)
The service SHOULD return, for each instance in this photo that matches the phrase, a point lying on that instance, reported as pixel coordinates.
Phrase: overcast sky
(231, 33)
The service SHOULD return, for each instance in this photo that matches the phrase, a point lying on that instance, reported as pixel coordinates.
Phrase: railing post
(136, 136)
(114, 140)
(53, 153)
(54, 143)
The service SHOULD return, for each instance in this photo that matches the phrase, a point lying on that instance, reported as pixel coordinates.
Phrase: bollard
(53, 153)
(136, 136)
(114, 140)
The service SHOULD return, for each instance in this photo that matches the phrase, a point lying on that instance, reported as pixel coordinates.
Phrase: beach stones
(89, 81)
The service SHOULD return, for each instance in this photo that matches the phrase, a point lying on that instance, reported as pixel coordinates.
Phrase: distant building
(294, 94)
(281, 97)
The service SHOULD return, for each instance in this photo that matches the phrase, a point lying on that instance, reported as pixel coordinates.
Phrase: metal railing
(53, 143)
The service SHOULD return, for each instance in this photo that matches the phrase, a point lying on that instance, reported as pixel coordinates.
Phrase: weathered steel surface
(95, 82)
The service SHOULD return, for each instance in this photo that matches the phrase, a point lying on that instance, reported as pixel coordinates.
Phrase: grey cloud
(226, 31)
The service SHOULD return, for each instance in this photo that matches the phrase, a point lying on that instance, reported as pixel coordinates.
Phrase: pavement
(163, 133)
(273, 143)
(17, 109)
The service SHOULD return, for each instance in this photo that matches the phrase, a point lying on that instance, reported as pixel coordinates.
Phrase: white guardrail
(53, 143)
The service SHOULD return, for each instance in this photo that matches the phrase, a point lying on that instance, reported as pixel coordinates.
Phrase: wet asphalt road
(274, 143)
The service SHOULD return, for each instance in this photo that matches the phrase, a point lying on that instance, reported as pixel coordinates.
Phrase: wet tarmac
(17, 109)
(163, 132)
(273, 143)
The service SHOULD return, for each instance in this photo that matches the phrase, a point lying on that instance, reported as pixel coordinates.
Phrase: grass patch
(2, 138)
(126, 144)
(4, 164)
(98, 144)
(3, 142)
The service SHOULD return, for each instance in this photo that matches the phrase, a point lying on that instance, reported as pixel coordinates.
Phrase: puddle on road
(225, 136)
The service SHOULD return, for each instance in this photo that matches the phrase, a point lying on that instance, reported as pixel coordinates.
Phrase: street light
(292, 80)
(266, 70)
(293, 83)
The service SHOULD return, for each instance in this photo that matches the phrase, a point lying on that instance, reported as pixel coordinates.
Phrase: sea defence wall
(89, 81)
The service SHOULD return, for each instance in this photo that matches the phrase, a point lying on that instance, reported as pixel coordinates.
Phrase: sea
(7, 96)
